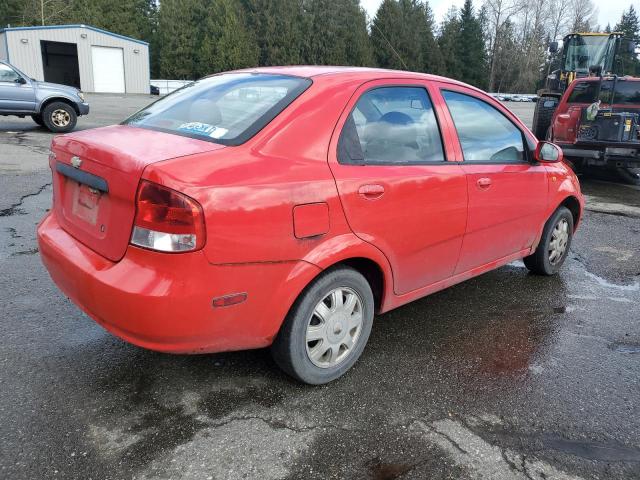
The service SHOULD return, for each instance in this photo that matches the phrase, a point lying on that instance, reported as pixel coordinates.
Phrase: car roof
(349, 73)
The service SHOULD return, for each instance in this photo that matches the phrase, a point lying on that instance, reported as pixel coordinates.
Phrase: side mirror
(553, 47)
(20, 80)
(548, 152)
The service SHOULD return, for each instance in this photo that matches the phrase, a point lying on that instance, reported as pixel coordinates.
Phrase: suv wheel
(327, 327)
(59, 117)
(38, 119)
(554, 245)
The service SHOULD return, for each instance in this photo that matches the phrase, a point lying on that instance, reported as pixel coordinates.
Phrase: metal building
(89, 58)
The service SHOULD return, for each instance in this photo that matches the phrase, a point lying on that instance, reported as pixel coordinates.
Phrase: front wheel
(59, 117)
(554, 244)
(542, 115)
(327, 327)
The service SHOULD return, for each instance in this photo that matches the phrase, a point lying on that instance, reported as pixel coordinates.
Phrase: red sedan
(286, 206)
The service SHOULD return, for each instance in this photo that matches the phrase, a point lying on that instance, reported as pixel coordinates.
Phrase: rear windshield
(627, 92)
(229, 108)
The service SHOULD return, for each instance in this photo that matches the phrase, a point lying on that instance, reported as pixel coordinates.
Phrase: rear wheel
(59, 117)
(38, 119)
(629, 175)
(542, 116)
(554, 245)
(327, 328)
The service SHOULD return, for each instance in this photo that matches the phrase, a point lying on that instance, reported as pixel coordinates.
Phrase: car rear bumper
(163, 302)
(622, 155)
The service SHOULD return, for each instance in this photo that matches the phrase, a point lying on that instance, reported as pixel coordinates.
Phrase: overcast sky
(609, 11)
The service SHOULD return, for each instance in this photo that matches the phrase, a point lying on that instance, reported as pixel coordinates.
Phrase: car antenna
(385, 39)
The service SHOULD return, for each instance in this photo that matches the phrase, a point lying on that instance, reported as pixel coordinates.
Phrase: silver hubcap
(559, 241)
(334, 327)
(60, 118)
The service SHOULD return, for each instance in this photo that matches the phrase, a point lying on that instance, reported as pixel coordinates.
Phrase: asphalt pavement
(506, 376)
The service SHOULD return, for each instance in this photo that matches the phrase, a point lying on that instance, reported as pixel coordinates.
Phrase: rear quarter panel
(249, 192)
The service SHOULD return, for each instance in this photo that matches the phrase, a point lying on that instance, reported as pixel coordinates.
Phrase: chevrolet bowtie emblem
(76, 162)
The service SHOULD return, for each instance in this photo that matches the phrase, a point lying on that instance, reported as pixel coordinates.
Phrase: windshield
(627, 92)
(229, 108)
(584, 51)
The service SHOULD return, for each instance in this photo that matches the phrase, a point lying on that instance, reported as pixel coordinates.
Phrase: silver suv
(51, 105)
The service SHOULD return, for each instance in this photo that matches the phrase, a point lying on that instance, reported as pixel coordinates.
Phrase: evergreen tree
(385, 35)
(398, 34)
(449, 43)
(629, 25)
(278, 26)
(180, 33)
(227, 45)
(469, 48)
(10, 12)
(336, 33)
(431, 54)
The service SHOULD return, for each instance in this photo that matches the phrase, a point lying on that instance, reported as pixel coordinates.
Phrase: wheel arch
(573, 205)
(350, 250)
(50, 100)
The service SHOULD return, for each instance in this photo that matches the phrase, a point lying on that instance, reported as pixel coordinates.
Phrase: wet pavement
(506, 376)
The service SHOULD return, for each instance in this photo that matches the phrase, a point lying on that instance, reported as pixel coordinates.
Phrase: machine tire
(296, 350)
(629, 175)
(59, 117)
(38, 119)
(542, 116)
(539, 262)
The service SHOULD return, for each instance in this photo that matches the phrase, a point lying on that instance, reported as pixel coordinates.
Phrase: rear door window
(228, 108)
(485, 134)
(391, 125)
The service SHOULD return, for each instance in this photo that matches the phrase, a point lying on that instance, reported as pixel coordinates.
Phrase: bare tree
(560, 18)
(533, 43)
(583, 15)
(499, 12)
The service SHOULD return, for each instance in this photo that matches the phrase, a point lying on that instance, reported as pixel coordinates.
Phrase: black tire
(539, 262)
(38, 119)
(542, 116)
(290, 348)
(59, 117)
(629, 175)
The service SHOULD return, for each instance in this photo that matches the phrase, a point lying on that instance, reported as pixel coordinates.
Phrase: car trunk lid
(96, 175)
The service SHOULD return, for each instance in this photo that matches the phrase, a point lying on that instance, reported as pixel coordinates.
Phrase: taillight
(166, 220)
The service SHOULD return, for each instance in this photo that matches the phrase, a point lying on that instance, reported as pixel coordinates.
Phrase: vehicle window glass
(7, 74)
(227, 108)
(627, 92)
(485, 134)
(391, 125)
(584, 92)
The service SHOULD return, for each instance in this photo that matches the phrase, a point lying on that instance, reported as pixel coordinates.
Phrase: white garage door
(108, 69)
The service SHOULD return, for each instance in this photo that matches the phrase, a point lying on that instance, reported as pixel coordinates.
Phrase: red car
(286, 206)
(611, 137)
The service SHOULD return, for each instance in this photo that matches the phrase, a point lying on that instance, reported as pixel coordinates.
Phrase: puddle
(591, 450)
(629, 348)
(633, 287)
(388, 471)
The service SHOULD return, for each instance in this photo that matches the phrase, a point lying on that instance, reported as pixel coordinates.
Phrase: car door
(14, 95)
(507, 190)
(399, 188)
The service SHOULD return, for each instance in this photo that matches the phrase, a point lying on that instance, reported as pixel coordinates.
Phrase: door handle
(371, 192)
(484, 182)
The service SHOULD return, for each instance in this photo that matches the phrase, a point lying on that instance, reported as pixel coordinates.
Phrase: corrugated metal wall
(28, 57)
(3, 47)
